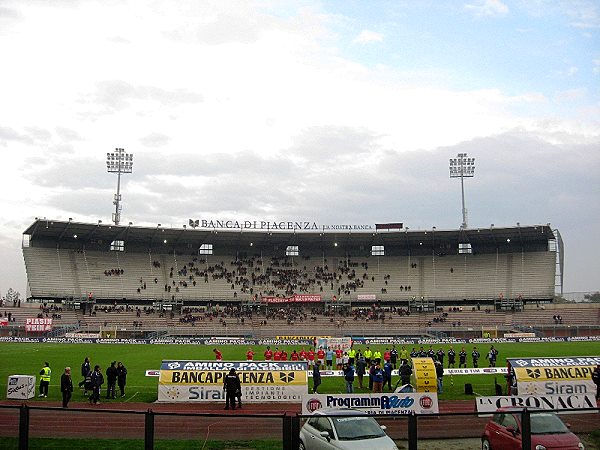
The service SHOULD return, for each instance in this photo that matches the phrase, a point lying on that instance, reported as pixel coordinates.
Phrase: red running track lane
(93, 421)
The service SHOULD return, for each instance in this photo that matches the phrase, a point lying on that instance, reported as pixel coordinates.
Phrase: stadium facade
(347, 265)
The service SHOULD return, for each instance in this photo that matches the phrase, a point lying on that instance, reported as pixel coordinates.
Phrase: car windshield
(547, 423)
(353, 428)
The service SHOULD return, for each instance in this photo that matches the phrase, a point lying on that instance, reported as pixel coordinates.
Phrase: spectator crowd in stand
(281, 276)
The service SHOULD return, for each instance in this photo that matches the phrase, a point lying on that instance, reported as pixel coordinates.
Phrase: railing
(62, 330)
(24, 423)
(437, 333)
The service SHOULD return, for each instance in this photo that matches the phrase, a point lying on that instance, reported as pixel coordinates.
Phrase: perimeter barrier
(24, 427)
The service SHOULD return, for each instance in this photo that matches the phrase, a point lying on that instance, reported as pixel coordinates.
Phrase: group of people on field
(92, 381)
(378, 366)
(336, 358)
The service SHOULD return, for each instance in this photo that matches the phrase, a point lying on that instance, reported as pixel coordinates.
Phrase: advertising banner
(519, 335)
(424, 372)
(202, 381)
(359, 340)
(297, 338)
(526, 374)
(554, 376)
(297, 298)
(556, 387)
(476, 371)
(550, 402)
(555, 362)
(37, 324)
(20, 387)
(419, 403)
(343, 343)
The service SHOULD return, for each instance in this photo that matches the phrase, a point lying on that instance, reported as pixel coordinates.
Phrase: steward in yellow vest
(351, 356)
(376, 355)
(368, 354)
(45, 379)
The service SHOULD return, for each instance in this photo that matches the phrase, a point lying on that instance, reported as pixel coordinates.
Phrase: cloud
(39, 134)
(571, 71)
(367, 36)
(9, 13)
(570, 95)
(155, 140)
(331, 143)
(66, 134)
(212, 25)
(596, 68)
(583, 13)
(8, 134)
(488, 8)
(119, 94)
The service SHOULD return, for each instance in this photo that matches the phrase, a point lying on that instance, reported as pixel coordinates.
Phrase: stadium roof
(76, 232)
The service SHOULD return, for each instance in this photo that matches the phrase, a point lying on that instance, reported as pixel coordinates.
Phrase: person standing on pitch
(439, 374)
(97, 382)
(377, 376)
(387, 372)
(231, 385)
(405, 373)
(361, 369)
(349, 377)
(316, 376)
(451, 357)
(121, 377)
(218, 354)
(85, 372)
(475, 355)
(45, 374)
(66, 387)
(462, 358)
(111, 380)
(596, 380)
(394, 356)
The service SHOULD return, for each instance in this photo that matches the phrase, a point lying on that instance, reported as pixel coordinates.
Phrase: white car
(345, 429)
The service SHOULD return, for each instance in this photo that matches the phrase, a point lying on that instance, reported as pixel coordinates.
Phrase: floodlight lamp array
(462, 166)
(119, 161)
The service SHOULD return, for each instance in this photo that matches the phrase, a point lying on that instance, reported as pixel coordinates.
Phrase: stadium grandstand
(141, 281)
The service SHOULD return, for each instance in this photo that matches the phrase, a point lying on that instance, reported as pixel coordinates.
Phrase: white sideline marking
(132, 396)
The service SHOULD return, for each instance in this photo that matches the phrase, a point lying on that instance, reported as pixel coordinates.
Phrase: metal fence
(20, 426)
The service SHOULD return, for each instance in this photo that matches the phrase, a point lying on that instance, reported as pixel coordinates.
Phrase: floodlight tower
(119, 162)
(462, 167)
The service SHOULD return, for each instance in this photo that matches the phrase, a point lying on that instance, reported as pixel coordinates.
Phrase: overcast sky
(333, 112)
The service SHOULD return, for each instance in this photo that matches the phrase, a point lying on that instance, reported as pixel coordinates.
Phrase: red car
(548, 432)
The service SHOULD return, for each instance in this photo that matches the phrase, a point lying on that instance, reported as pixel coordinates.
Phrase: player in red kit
(321, 356)
(218, 354)
(268, 354)
(387, 355)
(295, 356)
(310, 356)
(250, 354)
(277, 355)
(302, 354)
(339, 354)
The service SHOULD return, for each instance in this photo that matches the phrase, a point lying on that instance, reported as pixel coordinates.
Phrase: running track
(257, 421)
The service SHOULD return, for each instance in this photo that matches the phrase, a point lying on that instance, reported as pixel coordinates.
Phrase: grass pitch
(28, 359)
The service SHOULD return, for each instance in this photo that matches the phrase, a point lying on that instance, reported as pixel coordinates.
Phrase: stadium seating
(56, 273)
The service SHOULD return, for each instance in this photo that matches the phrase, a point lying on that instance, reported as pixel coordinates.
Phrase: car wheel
(301, 446)
(485, 445)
